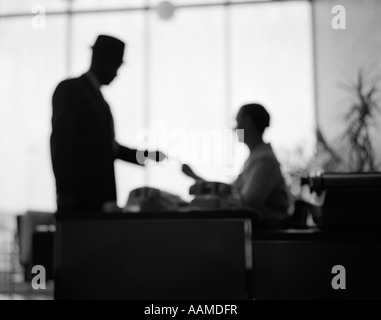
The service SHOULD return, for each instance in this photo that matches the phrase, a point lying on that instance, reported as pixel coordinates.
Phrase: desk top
(318, 234)
(185, 214)
(259, 234)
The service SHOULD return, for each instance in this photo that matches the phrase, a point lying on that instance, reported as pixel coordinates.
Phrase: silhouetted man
(83, 146)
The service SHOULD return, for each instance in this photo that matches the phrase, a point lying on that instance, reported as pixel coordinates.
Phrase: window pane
(185, 2)
(187, 92)
(272, 64)
(125, 94)
(252, 1)
(99, 4)
(31, 63)
(28, 6)
(340, 57)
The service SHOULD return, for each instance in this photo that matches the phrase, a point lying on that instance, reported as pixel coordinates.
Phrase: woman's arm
(187, 170)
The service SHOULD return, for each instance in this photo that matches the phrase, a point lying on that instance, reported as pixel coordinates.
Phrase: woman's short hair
(258, 114)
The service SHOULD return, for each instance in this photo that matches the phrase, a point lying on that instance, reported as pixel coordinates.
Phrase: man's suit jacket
(83, 147)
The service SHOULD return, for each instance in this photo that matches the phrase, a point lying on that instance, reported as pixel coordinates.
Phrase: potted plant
(360, 121)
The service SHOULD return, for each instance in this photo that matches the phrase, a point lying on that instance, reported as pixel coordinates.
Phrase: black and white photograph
(195, 156)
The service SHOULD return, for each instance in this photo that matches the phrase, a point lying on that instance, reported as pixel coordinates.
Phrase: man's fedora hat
(109, 47)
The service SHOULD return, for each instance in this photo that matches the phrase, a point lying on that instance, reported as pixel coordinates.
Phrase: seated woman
(261, 182)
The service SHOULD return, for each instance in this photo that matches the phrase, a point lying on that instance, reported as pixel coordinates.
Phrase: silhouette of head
(253, 119)
(107, 58)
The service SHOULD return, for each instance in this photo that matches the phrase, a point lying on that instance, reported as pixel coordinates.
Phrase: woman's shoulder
(265, 153)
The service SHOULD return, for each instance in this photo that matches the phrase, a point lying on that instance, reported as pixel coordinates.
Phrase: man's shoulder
(70, 83)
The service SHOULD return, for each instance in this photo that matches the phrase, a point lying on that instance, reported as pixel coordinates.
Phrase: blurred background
(190, 65)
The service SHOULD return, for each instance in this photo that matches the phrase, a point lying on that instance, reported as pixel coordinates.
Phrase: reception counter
(210, 255)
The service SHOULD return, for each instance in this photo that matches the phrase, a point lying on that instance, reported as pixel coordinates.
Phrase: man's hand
(156, 156)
